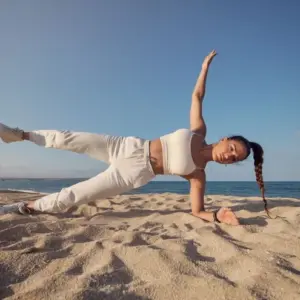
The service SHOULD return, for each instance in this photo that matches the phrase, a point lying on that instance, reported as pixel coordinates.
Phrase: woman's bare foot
(226, 215)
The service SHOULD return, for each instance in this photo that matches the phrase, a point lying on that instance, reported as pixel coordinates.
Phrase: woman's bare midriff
(156, 156)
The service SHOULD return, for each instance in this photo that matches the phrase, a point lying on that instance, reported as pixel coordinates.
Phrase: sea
(288, 189)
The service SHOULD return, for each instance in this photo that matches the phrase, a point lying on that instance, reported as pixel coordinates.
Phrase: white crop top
(177, 152)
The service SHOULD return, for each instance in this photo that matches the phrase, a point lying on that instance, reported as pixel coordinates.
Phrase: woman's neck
(207, 153)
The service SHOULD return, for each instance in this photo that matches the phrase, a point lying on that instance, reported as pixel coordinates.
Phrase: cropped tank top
(177, 152)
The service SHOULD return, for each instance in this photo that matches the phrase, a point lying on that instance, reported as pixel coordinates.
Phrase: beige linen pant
(128, 159)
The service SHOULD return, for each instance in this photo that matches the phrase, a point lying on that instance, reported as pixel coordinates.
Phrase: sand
(150, 247)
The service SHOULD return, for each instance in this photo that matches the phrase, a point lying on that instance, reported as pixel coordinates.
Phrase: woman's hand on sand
(208, 59)
(226, 215)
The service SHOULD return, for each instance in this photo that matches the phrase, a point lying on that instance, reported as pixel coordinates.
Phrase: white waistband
(164, 145)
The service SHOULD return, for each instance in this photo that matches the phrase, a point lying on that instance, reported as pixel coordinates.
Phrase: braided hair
(258, 154)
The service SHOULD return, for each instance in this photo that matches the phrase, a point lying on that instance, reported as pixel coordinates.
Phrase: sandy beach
(150, 247)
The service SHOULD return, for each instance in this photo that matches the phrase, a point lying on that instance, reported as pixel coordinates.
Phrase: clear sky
(129, 67)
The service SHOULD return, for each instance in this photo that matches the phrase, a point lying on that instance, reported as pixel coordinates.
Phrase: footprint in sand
(135, 198)
(137, 239)
(176, 207)
(191, 251)
(188, 227)
(119, 227)
(173, 225)
(75, 270)
(181, 200)
(119, 275)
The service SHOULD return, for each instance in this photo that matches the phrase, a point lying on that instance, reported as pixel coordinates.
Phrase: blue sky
(129, 67)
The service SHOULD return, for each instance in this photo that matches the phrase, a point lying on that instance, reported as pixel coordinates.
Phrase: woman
(134, 161)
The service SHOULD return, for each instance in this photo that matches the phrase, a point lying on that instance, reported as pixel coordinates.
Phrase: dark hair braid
(258, 163)
(258, 154)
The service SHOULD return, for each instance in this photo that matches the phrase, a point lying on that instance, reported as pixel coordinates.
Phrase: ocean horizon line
(167, 181)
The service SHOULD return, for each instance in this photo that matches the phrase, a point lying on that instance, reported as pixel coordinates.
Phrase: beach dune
(149, 246)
